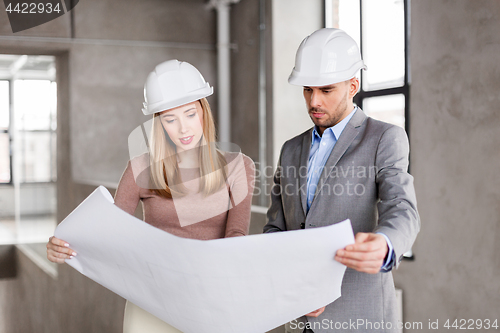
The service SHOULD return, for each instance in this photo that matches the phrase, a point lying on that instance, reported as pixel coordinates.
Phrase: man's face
(328, 105)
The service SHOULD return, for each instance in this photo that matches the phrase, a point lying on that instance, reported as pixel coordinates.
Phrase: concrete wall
(455, 135)
(107, 79)
(244, 76)
(245, 35)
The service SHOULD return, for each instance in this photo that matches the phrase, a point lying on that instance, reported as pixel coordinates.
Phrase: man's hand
(316, 313)
(366, 255)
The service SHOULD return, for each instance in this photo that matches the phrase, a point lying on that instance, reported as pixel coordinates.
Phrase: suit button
(302, 226)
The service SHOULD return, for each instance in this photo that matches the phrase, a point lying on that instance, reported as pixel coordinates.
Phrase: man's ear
(353, 87)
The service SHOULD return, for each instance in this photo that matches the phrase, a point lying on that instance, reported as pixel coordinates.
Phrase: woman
(187, 186)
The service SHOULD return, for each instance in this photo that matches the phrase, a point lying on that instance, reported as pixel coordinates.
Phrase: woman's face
(184, 125)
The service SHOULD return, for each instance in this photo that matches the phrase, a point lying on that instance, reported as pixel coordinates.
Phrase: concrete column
(293, 20)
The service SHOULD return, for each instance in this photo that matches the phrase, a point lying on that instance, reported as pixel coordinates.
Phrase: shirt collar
(336, 129)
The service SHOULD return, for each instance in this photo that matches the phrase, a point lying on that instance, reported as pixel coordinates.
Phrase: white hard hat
(173, 83)
(327, 56)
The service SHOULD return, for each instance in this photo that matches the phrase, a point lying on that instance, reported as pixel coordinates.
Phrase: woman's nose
(183, 127)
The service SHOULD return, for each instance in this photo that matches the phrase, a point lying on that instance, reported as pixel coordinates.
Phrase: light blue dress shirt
(321, 148)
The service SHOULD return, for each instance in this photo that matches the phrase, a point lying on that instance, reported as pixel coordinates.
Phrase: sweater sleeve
(127, 194)
(241, 186)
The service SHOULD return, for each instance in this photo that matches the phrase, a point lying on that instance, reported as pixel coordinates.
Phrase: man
(348, 166)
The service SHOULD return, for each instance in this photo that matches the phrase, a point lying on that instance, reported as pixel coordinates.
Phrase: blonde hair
(164, 165)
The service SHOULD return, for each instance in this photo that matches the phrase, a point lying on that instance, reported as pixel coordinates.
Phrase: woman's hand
(58, 250)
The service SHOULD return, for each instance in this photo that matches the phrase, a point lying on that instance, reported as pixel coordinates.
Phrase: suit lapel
(348, 135)
(304, 157)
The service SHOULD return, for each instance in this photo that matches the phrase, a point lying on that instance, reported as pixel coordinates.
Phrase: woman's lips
(187, 140)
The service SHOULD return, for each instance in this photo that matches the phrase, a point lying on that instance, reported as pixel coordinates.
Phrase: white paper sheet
(243, 284)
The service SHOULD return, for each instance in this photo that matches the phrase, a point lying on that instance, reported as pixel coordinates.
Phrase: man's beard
(333, 118)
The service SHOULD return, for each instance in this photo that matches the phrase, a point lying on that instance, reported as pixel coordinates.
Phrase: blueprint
(246, 284)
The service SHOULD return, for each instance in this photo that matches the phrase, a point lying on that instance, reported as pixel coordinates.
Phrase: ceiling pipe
(223, 66)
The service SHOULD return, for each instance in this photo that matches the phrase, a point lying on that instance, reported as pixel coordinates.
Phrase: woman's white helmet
(173, 83)
(327, 56)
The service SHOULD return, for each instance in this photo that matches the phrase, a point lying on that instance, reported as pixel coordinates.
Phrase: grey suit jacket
(365, 179)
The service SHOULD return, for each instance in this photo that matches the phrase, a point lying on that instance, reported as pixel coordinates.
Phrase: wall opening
(28, 121)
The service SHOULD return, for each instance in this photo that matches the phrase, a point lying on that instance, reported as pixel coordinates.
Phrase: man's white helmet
(173, 83)
(327, 56)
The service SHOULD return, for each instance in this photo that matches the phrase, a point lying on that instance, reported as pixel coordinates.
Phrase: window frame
(405, 89)
(10, 129)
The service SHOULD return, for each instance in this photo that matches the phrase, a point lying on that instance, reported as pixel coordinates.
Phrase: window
(381, 30)
(35, 123)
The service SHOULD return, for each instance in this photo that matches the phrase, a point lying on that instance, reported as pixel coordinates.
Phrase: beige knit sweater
(192, 216)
